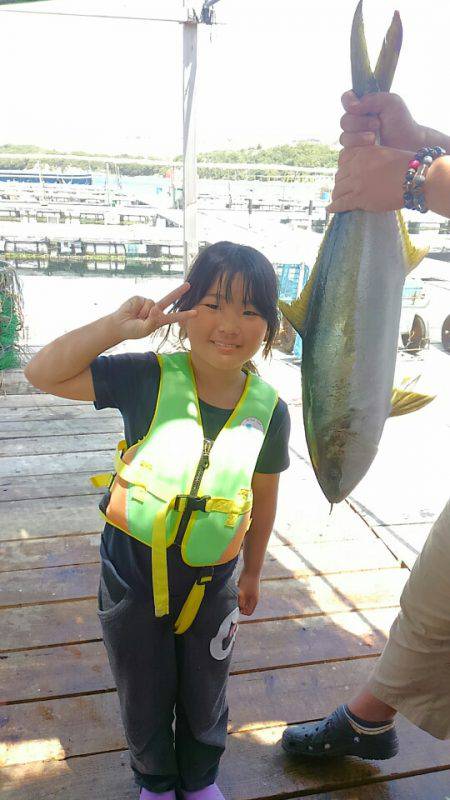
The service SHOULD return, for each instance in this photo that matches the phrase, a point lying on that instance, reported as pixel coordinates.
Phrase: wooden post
(190, 235)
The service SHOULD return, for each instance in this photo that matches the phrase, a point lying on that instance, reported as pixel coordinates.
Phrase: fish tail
(389, 53)
(380, 80)
(363, 79)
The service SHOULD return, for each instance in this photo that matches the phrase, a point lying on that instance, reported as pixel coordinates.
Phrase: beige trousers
(413, 672)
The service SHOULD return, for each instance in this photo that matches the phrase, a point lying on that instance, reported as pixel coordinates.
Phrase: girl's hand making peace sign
(139, 316)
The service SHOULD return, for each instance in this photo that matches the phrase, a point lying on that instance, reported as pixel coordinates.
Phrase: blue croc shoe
(339, 735)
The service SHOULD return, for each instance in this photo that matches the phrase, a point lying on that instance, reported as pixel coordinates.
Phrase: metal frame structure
(191, 15)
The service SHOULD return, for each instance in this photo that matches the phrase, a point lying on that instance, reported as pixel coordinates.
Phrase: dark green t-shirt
(130, 383)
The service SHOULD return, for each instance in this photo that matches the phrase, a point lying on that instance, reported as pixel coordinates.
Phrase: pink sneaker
(211, 792)
(147, 795)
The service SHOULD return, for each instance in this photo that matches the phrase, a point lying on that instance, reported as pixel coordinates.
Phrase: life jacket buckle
(193, 503)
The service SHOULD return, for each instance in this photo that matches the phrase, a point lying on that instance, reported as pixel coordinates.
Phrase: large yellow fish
(348, 316)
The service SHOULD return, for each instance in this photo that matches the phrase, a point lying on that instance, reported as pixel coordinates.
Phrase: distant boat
(36, 176)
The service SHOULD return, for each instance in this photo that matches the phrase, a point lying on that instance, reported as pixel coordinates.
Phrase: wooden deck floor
(330, 592)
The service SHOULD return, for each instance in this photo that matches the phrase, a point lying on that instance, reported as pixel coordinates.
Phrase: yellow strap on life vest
(159, 562)
(102, 480)
(128, 472)
(227, 506)
(191, 606)
(105, 478)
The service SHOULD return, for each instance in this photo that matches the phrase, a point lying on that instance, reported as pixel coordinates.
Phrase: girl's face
(226, 333)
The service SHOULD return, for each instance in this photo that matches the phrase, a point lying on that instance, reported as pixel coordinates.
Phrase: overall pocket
(114, 595)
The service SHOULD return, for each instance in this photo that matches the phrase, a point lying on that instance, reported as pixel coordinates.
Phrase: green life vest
(174, 473)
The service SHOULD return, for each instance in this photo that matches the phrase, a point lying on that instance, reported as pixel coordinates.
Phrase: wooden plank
(52, 517)
(62, 515)
(286, 598)
(13, 381)
(330, 594)
(281, 562)
(40, 553)
(56, 671)
(91, 723)
(431, 786)
(309, 638)
(253, 766)
(61, 427)
(83, 667)
(54, 413)
(296, 513)
(40, 445)
(47, 585)
(34, 487)
(392, 509)
(303, 640)
(36, 626)
(64, 463)
(406, 541)
(108, 774)
(37, 400)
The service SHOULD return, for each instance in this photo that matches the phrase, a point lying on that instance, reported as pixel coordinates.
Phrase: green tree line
(300, 154)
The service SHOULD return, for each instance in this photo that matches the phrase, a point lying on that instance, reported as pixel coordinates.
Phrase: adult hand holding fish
(384, 115)
(372, 179)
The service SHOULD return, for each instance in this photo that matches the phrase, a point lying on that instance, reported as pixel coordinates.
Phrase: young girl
(203, 435)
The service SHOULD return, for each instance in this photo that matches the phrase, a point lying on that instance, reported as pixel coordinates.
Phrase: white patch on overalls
(253, 422)
(221, 645)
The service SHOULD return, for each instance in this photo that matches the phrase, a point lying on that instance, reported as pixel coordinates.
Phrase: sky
(270, 72)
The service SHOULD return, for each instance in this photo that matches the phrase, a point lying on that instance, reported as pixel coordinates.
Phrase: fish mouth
(342, 459)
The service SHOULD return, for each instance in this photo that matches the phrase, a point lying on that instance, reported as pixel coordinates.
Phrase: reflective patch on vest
(253, 422)
(221, 645)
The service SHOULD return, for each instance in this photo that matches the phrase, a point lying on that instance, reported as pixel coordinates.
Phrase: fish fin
(389, 53)
(404, 401)
(413, 255)
(297, 311)
(363, 79)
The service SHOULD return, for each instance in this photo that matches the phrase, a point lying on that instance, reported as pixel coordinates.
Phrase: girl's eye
(214, 306)
(249, 313)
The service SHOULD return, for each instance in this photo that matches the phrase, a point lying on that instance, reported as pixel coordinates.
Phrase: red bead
(414, 164)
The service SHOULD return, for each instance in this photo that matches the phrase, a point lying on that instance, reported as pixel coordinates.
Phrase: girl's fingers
(145, 310)
(179, 316)
(170, 298)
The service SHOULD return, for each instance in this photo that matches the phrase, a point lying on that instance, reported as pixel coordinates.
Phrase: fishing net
(11, 317)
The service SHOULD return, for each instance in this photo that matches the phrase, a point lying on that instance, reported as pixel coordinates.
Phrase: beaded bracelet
(413, 196)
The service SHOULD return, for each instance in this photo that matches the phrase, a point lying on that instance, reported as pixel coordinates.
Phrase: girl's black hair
(222, 261)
